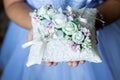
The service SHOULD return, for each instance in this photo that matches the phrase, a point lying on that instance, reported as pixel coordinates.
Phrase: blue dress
(14, 57)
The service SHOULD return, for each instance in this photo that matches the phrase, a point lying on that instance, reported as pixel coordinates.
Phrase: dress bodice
(76, 4)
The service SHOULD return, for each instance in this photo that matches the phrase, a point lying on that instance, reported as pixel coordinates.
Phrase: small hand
(52, 63)
(72, 64)
(76, 63)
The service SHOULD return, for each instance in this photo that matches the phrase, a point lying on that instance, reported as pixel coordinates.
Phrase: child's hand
(73, 64)
(76, 63)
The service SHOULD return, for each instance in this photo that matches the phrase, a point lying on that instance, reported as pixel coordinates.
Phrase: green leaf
(43, 18)
(58, 28)
(74, 21)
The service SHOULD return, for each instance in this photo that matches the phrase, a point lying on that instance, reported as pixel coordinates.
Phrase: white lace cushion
(57, 51)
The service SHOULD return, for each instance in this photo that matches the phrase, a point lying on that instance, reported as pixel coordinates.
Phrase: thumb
(30, 35)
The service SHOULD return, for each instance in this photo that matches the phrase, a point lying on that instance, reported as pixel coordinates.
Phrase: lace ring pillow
(63, 35)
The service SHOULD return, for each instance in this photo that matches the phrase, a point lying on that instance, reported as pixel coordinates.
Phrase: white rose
(69, 28)
(59, 19)
(78, 37)
(51, 12)
(42, 11)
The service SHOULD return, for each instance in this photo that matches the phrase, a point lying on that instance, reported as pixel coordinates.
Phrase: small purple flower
(75, 47)
(85, 31)
(51, 26)
(70, 18)
(74, 16)
(68, 11)
(36, 19)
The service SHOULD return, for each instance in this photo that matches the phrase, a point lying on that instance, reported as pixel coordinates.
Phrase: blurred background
(3, 24)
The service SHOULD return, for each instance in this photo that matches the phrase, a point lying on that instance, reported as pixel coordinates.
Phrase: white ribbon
(27, 44)
(30, 43)
(83, 20)
(34, 52)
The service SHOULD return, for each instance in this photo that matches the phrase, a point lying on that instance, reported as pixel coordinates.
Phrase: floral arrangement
(66, 26)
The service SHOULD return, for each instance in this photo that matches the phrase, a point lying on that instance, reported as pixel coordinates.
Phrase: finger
(69, 63)
(30, 35)
(50, 64)
(55, 63)
(82, 62)
(75, 63)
